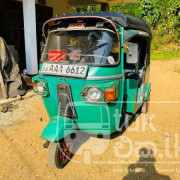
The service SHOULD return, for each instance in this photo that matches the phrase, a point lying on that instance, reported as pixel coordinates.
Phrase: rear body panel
(135, 95)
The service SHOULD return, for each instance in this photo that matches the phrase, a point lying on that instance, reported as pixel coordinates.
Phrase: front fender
(58, 128)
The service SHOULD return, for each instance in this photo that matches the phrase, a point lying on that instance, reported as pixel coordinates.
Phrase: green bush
(161, 15)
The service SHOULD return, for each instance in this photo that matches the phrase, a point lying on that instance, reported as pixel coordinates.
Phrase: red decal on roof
(77, 25)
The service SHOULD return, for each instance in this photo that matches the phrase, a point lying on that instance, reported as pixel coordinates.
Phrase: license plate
(64, 70)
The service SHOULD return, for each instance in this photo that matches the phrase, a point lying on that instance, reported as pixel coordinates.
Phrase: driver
(94, 37)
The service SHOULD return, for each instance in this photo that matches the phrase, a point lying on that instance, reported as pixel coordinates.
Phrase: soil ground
(23, 157)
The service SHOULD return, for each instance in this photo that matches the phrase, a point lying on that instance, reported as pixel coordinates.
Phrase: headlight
(92, 94)
(39, 87)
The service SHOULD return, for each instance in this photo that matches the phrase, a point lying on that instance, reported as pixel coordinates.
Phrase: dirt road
(23, 157)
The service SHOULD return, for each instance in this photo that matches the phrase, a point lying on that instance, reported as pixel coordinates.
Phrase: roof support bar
(104, 7)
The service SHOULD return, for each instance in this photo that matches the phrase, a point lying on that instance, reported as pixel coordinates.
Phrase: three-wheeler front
(93, 65)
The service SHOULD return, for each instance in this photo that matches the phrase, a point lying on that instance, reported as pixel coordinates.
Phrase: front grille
(65, 101)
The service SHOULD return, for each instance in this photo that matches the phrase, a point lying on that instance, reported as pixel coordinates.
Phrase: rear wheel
(145, 106)
(59, 154)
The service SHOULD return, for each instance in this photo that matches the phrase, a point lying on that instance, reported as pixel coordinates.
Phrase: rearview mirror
(132, 53)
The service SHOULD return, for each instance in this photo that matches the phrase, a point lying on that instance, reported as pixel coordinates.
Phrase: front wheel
(60, 153)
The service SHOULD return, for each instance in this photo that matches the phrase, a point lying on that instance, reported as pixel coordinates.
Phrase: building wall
(59, 6)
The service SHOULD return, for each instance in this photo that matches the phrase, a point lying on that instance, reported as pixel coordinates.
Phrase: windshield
(93, 47)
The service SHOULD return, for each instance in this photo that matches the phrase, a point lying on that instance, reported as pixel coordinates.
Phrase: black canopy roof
(128, 22)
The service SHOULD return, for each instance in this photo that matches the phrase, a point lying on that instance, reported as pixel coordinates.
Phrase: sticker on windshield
(57, 56)
(75, 55)
(111, 60)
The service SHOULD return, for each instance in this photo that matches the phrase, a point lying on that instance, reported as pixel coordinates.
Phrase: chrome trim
(105, 77)
(83, 29)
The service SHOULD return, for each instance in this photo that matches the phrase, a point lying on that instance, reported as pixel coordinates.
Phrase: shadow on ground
(145, 167)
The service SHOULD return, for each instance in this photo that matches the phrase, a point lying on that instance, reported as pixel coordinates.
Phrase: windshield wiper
(95, 48)
(91, 50)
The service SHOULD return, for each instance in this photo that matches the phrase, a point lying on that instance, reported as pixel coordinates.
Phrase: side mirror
(132, 53)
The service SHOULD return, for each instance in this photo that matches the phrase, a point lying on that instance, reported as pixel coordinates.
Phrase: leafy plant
(162, 15)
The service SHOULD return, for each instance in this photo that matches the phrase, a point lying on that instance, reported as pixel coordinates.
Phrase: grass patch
(163, 55)
(165, 52)
(164, 48)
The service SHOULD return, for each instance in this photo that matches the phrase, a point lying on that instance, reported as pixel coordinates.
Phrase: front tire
(60, 153)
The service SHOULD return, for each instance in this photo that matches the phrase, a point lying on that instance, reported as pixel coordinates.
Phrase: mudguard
(58, 128)
(147, 91)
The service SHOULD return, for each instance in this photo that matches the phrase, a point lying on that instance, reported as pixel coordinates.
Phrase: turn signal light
(110, 94)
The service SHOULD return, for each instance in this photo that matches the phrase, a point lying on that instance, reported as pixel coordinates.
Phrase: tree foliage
(162, 15)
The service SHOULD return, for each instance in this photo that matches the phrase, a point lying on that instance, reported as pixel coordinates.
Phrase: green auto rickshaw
(93, 66)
